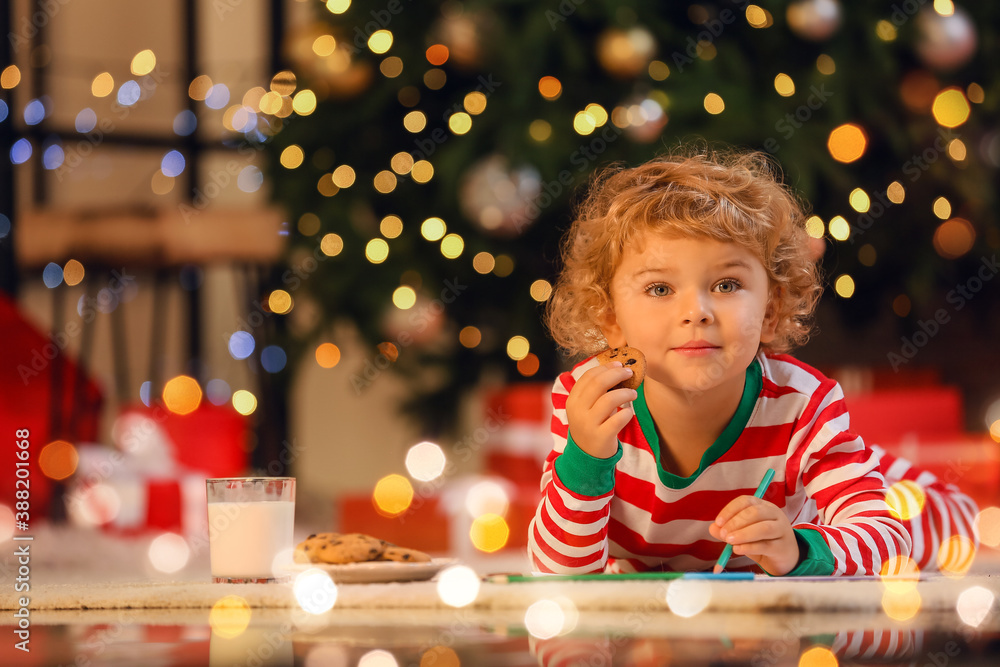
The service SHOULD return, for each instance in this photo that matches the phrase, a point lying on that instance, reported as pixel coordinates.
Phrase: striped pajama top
(627, 514)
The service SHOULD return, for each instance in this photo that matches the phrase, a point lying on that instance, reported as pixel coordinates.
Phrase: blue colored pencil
(727, 553)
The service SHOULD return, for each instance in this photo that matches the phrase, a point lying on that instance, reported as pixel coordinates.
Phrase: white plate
(377, 570)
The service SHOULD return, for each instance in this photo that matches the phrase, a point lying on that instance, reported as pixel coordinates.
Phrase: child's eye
(658, 290)
(728, 286)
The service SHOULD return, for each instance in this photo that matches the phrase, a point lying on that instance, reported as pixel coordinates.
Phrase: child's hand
(592, 410)
(760, 530)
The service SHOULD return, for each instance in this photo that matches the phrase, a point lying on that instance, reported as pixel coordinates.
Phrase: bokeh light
(425, 461)
(415, 121)
(380, 41)
(784, 85)
(292, 157)
(486, 497)
(217, 391)
(244, 402)
(437, 54)
(899, 574)
(241, 345)
(433, 229)
(34, 112)
(384, 181)
(859, 200)
(422, 172)
(818, 656)
(440, 656)
(714, 104)
(489, 533)
(550, 87)
(315, 591)
(279, 301)
(955, 556)
(540, 290)
(102, 85)
(950, 107)
(304, 102)
(172, 164)
(474, 103)
(58, 459)
(404, 297)
(391, 226)
(452, 246)
(182, 395)
(331, 244)
(169, 553)
(688, 597)
(954, 238)
(10, 77)
(529, 365)
(73, 272)
(143, 62)
(21, 151)
(230, 616)
(974, 604)
(460, 123)
(273, 358)
(470, 336)
(129, 93)
(518, 348)
(544, 619)
(941, 208)
(847, 143)
(344, 176)
(377, 658)
(53, 157)
(393, 495)
(217, 96)
(896, 193)
(844, 286)
(327, 355)
(901, 606)
(906, 499)
(988, 525)
(458, 586)
(376, 251)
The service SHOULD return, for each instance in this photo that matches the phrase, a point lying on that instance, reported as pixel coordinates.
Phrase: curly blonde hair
(725, 195)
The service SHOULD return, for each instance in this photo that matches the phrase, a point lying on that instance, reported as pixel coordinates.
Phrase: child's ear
(770, 323)
(610, 328)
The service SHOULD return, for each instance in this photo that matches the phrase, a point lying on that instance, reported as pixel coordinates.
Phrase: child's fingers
(597, 381)
(754, 550)
(616, 422)
(754, 532)
(607, 404)
(744, 510)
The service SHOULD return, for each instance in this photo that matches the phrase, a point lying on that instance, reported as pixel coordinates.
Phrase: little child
(702, 262)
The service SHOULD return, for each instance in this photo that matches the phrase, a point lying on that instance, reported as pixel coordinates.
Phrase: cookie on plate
(404, 555)
(349, 548)
(309, 547)
(629, 357)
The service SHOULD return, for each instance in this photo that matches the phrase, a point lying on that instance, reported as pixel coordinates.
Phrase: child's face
(697, 308)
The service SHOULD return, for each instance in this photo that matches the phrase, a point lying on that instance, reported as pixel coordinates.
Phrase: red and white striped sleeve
(569, 533)
(942, 525)
(841, 475)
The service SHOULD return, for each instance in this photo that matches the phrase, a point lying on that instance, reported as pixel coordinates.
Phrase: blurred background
(294, 237)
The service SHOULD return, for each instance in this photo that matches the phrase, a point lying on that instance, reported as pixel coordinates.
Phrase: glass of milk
(250, 522)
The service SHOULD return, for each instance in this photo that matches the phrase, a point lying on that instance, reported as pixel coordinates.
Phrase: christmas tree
(434, 152)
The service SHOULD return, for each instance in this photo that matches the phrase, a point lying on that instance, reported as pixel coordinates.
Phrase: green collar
(751, 390)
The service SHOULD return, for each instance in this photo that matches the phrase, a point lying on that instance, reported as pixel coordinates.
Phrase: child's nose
(697, 309)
